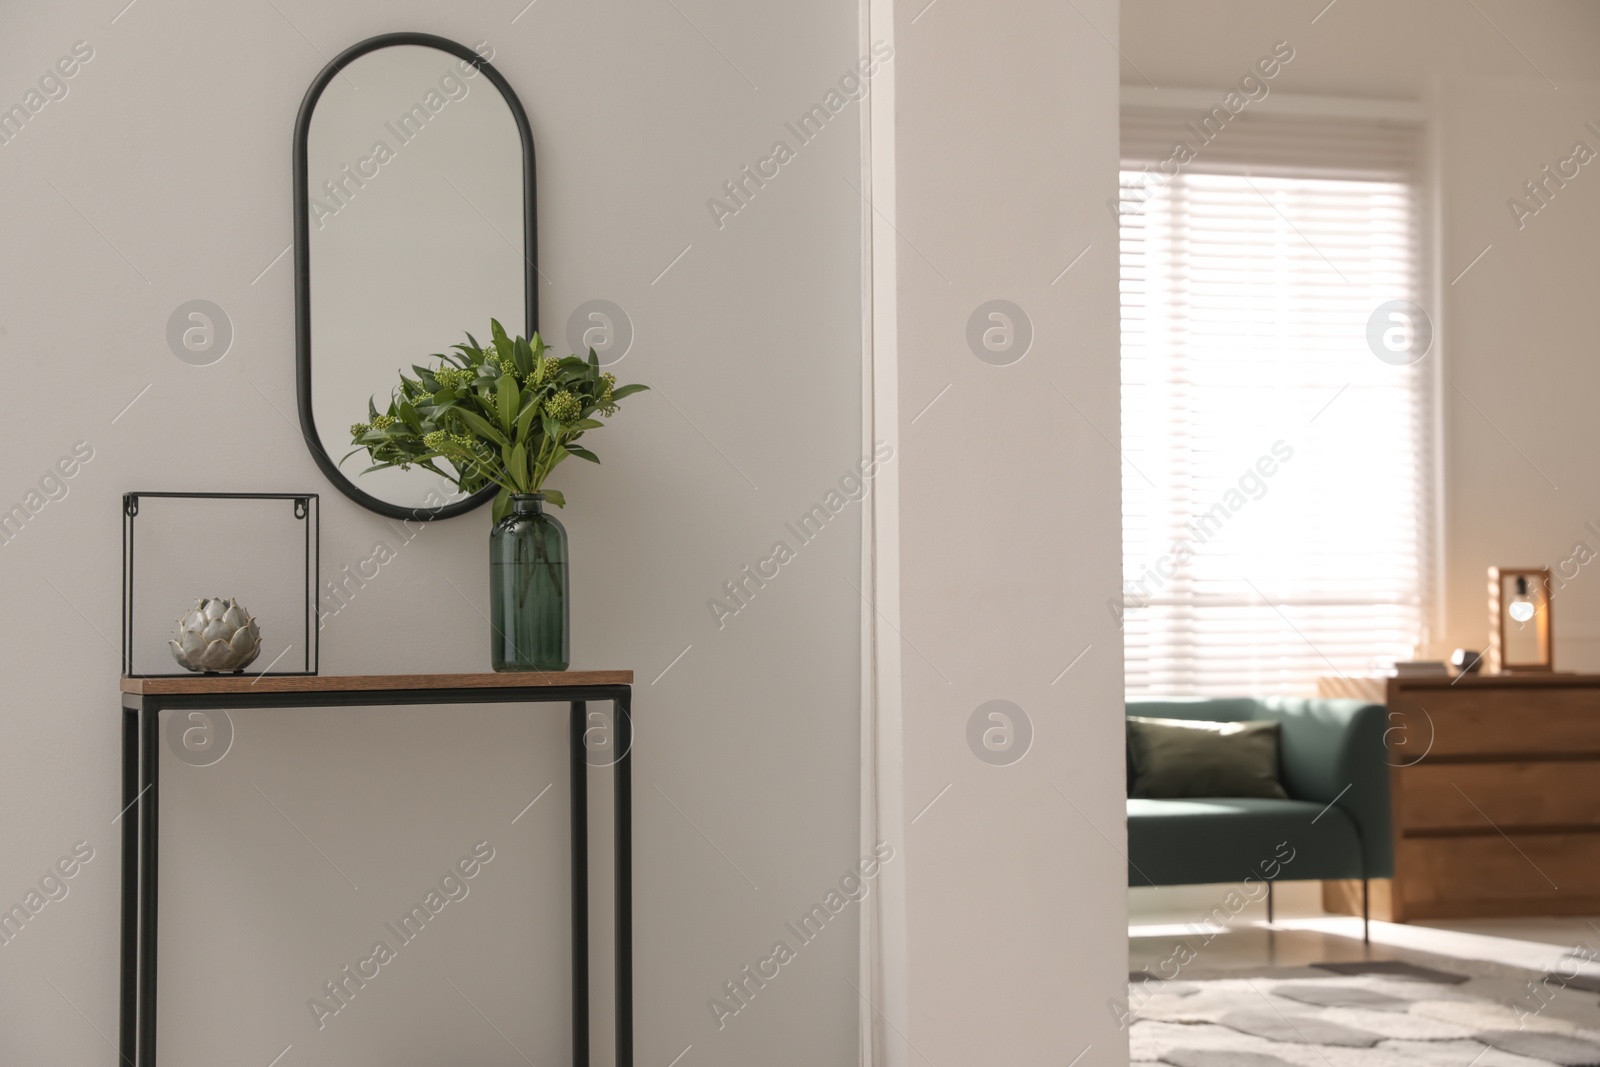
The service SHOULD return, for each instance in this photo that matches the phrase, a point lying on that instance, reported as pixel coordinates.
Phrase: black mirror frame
(302, 258)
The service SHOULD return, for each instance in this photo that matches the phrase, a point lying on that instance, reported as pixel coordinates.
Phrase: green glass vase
(528, 611)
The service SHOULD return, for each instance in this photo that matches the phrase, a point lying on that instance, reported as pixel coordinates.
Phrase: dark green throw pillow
(1190, 758)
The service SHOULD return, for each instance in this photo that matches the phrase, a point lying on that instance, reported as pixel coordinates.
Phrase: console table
(1494, 796)
(144, 699)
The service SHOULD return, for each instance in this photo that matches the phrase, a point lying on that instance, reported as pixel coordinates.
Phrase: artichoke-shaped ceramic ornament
(216, 635)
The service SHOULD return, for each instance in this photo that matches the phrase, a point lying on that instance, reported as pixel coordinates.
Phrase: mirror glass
(413, 177)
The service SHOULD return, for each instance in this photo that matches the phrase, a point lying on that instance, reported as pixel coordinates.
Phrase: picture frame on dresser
(1521, 625)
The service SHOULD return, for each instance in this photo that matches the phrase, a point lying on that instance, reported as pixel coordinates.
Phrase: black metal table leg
(579, 775)
(623, 821)
(128, 980)
(150, 721)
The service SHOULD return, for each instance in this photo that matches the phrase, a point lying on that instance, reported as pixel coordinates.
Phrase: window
(1278, 483)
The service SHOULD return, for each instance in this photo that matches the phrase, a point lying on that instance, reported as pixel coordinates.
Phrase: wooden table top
(324, 683)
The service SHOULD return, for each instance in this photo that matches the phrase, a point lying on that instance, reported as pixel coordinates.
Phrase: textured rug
(1377, 1014)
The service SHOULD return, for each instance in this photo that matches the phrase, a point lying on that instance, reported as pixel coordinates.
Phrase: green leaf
(509, 398)
(525, 417)
(522, 354)
(582, 453)
(627, 390)
(554, 496)
(480, 426)
(517, 465)
(590, 424)
(502, 504)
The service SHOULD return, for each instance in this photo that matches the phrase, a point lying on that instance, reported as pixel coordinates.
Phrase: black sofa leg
(1269, 903)
(1366, 938)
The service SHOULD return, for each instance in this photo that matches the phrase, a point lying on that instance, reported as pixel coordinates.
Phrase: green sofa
(1335, 824)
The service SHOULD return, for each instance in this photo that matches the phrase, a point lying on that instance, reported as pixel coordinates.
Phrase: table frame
(141, 738)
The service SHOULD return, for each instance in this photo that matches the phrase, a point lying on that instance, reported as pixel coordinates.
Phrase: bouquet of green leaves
(504, 414)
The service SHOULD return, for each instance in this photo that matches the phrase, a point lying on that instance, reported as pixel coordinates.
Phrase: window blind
(1278, 475)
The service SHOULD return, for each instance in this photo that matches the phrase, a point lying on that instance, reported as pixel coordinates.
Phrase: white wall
(1508, 96)
(163, 176)
(1007, 940)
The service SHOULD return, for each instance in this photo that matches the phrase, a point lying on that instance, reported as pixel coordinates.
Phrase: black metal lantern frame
(306, 510)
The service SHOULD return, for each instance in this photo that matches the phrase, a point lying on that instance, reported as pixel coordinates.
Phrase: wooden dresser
(1496, 798)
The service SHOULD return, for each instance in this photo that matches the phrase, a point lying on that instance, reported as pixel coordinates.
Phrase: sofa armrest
(1333, 752)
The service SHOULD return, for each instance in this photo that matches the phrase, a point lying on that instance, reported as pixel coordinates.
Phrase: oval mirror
(414, 224)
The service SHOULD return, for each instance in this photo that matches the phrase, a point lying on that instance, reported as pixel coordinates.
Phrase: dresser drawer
(1505, 796)
(1527, 874)
(1531, 721)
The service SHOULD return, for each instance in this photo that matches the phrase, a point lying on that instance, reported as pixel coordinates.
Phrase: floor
(1168, 937)
(1530, 944)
